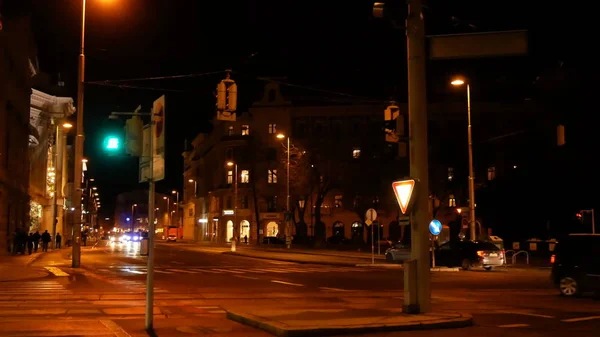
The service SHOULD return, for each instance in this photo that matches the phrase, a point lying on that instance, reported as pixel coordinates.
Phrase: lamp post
(472, 224)
(288, 240)
(235, 192)
(65, 126)
(195, 186)
(178, 208)
(132, 216)
(168, 210)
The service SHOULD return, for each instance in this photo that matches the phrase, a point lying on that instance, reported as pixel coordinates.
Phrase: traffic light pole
(419, 166)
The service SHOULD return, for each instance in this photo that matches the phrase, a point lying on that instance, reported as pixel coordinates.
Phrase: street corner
(20, 273)
(327, 323)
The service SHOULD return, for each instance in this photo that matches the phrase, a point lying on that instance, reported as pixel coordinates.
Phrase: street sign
(369, 222)
(435, 227)
(403, 190)
(371, 214)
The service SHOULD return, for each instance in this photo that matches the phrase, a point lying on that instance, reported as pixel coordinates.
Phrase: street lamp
(178, 206)
(472, 224)
(168, 209)
(132, 217)
(235, 192)
(65, 126)
(195, 186)
(287, 200)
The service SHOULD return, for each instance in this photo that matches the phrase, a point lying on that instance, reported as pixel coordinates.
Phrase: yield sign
(403, 190)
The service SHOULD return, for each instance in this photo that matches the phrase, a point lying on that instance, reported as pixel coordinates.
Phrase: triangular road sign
(403, 190)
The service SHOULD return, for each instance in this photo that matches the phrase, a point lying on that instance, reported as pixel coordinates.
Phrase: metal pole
(372, 245)
(76, 194)
(593, 223)
(289, 213)
(54, 197)
(472, 224)
(235, 191)
(150, 263)
(419, 170)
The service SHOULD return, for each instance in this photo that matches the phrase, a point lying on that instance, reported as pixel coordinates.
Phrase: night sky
(330, 45)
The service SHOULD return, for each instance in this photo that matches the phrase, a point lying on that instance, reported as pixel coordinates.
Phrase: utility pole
(419, 170)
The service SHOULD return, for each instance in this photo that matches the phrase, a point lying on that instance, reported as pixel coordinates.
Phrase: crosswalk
(213, 270)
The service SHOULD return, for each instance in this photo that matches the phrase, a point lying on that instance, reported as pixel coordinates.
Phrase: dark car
(273, 240)
(576, 264)
(468, 254)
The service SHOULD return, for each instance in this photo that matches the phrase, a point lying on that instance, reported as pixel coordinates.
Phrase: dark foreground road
(200, 283)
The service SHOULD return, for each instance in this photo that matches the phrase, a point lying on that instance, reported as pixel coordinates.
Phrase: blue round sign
(435, 227)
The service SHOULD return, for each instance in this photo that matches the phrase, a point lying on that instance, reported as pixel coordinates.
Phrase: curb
(282, 330)
(445, 269)
(381, 265)
(325, 263)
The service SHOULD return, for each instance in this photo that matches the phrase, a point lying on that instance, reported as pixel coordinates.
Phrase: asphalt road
(193, 280)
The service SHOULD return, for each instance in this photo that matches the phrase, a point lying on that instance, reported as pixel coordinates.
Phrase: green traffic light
(112, 143)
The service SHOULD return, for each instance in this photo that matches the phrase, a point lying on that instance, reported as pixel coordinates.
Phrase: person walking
(36, 241)
(45, 240)
(58, 240)
(30, 239)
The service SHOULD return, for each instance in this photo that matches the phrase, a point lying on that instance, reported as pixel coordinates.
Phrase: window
(229, 153)
(272, 204)
(230, 130)
(272, 128)
(272, 176)
(450, 173)
(229, 177)
(245, 177)
(271, 154)
(229, 202)
(356, 153)
(338, 201)
(451, 201)
(245, 130)
(244, 202)
(491, 173)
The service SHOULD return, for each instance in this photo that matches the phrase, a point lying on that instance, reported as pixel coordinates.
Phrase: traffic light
(134, 128)
(112, 137)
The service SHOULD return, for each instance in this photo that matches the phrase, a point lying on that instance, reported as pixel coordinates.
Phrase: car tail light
(480, 253)
(502, 253)
(552, 258)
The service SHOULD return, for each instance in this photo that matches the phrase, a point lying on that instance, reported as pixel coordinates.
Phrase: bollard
(144, 247)
(411, 305)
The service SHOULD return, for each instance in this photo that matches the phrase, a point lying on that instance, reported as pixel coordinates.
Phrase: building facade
(17, 67)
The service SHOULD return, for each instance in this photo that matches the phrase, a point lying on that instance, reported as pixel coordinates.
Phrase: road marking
(182, 271)
(229, 271)
(523, 313)
(271, 270)
(281, 262)
(114, 328)
(288, 283)
(248, 277)
(248, 271)
(217, 312)
(134, 271)
(208, 307)
(177, 262)
(162, 271)
(513, 325)
(56, 271)
(333, 289)
(206, 271)
(580, 319)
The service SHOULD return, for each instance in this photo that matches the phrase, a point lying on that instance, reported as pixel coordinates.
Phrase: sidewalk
(16, 267)
(281, 321)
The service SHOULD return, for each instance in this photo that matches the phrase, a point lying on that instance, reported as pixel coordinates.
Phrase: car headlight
(135, 238)
(123, 238)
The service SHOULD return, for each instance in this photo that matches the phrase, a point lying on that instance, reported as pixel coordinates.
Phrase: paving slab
(336, 321)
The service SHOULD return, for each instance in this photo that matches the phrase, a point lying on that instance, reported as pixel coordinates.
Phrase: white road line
(524, 314)
(333, 289)
(56, 271)
(209, 307)
(115, 328)
(271, 270)
(206, 271)
(162, 271)
(580, 319)
(513, 325)
(229, 271)
(288, 283)
(134, 271)
(182, 271)
(249, 271)
(248, 277)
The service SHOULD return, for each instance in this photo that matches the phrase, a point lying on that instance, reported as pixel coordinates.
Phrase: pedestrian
(30, 243)
(84, 239)
(36, 241)
(58, 240)
(23, 238)
(15, 247)
(246, 239)
(45, 240)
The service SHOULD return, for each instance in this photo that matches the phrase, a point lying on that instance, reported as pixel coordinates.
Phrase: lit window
(272, 128)
(272, 177)
(491, 173)
(230, 130)
(450, 173)
(229, 177)
(451, 201)
(245, 130)
(356, 153)
(245, 176)
(338, 201)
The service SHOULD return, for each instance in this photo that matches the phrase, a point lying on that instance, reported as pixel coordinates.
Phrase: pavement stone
(327, 322)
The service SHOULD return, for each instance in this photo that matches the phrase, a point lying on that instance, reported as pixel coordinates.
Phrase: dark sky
(332, 45)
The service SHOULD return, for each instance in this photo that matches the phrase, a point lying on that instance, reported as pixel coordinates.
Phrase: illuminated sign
(403, 190)
(228, 212)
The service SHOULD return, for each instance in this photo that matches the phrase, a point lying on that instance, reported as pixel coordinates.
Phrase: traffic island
(328, 322)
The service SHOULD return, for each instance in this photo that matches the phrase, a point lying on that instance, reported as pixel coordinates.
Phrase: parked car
(469, 254)
(576, 264)
(397, 253)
